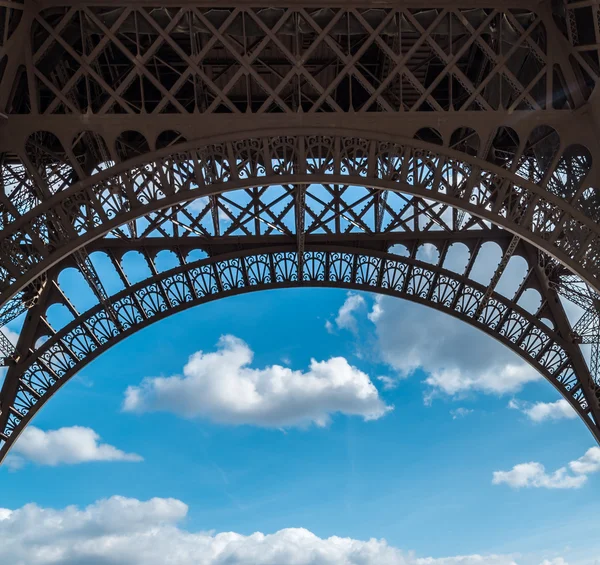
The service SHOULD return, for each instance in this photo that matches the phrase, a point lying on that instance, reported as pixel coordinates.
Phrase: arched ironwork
(562, 227)
(345, 129)
(535, 337)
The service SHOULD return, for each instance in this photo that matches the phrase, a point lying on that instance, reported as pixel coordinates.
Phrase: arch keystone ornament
(155, 156)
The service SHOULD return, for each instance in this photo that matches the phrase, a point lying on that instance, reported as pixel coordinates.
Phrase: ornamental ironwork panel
(235, 148)
(59, 353)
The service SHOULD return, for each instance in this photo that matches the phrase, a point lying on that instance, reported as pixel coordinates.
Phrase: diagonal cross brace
(497, 274)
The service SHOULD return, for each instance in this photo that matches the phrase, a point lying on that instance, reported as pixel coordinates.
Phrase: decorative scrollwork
(375, 175)
(62, 355)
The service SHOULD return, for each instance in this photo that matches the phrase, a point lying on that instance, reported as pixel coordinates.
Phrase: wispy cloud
(460, 413)
(534, 475)
(345, 318)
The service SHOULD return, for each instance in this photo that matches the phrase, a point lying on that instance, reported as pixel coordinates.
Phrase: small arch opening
(504, 147)
(457, 258)
(169, 138)
(486, 262)
(539, 153)
(135, 266)
(166, 260)
(76, 289)
(530, 300)
(399, 249)
(58, 316)
(428, 253)
(91, 152)
(41, 340)
(107, 272)
(196, 255)
(515, 272)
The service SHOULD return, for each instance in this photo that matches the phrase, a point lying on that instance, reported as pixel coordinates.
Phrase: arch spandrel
(84, 336)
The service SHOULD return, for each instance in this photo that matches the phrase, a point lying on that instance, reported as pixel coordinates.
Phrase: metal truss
(60, 353)
(164, 187)
(292, 144)
(182, 58)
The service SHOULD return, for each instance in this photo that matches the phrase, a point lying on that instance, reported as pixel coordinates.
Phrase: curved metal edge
(457, 203)
(26, 419)
(394, 186)
(243, 135)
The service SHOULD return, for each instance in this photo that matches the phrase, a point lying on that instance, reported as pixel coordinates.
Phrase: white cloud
(345, 319)
(199, 205)
(63, 446)
(456, 357)
(124, 531)
(534, 474)
(464, 560)
(588, 464)
(376, 311)
(222, 387)
(542, 411)
(460, 413)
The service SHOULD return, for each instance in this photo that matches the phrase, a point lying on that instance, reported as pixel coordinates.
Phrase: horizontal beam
(15, 129)
(422, 4)
(362, 240)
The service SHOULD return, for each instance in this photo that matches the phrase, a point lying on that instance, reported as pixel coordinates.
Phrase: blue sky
(420, 476)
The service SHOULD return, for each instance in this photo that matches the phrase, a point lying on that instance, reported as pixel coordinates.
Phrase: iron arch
(208, 168)
(56, 359)
(87, 159)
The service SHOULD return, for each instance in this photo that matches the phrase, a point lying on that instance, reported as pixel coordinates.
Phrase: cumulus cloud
(63, 446)
(588, 464)
(345, 319)
(124, 531)
(456, 357)
(542, 411)
(574, 475)
(222, 387)
(534, 475)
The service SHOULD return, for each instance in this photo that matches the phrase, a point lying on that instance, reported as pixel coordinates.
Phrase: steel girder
(290, 133)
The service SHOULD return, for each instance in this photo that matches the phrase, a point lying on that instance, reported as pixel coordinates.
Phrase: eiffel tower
(228, 148)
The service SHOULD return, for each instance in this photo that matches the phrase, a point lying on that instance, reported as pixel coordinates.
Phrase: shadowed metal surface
(293, 135)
